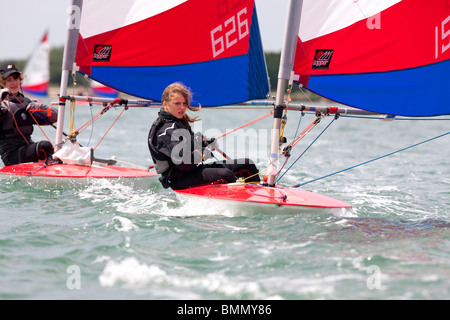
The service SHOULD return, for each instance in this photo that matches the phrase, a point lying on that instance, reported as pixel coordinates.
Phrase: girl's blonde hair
(180, 88)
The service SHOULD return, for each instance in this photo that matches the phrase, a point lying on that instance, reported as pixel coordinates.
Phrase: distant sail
(214, 49)
(37, 69)
(387, 56)
(101, 90)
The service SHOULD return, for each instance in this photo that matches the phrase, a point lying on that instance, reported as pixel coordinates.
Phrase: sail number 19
(228, 33)
(444, 37)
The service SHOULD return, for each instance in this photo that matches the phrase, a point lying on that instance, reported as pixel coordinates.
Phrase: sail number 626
(230, 32)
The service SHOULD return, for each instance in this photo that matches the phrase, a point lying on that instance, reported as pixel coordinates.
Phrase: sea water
(111, 240)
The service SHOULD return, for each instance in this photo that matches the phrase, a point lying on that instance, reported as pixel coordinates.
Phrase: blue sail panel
(202, 78)
(392, 59)
(412, 92)
(216, 50)
(258, 80)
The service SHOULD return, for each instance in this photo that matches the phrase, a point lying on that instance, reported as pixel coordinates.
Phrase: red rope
(303, 133)
(49, 114)
(110, 127)
(15, 121)
(247, 124)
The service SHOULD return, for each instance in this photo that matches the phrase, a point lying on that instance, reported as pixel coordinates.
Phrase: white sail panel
(323, 17)
(101, 16)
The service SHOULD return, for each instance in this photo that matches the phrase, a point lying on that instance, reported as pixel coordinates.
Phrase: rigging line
(40, 128)
(284, 118)
(366, 162)
(72, 108)
(44, 165)
(131, 164)
(307, 130)
(110, 127)
(395, 119)
(42, 117)
(92, 127)
(363, 117)
(253, 175)
(15, 121)
(284, 164)
(247, 124)
(299, 123)
(228, 158)
(357, 4)
(334, 118)
(71, 117)
(421, 119)
(31, 114)
(90, 121)
(304, 93)
(288, 148)
(282, 197)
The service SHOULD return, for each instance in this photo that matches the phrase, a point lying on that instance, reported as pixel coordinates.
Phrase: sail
(99, 89)
(140, 47)
(386, 56)
(37, 69)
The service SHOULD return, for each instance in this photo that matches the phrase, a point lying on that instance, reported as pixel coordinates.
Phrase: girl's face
(13, 83)
(176, 106)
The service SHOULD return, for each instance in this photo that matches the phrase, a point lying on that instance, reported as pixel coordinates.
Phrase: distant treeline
(56, 54)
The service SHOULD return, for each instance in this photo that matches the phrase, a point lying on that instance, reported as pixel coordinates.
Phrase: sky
(24, 22)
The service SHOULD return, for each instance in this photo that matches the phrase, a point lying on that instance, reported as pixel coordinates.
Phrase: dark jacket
(174, 146)
(16, 123)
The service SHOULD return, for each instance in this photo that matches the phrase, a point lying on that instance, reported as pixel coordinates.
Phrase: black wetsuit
(177, 153)
(16, 127)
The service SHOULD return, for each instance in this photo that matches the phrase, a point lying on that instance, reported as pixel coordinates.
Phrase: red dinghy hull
(278, 196)
(72, 172)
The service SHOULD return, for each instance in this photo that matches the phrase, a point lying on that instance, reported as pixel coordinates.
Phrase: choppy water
(114, 241)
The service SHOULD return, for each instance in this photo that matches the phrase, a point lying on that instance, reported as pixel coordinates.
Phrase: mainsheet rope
(245, 125)
(238, 128)
(293, 143)
(31, 114)
(73, 133)
(110, 127)
(283, 123)
(377, 158)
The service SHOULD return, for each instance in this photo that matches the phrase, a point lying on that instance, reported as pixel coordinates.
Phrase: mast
(70, 50)
(286, 66)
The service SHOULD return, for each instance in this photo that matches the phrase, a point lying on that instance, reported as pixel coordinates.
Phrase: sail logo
(102, 53)
(322, 59)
